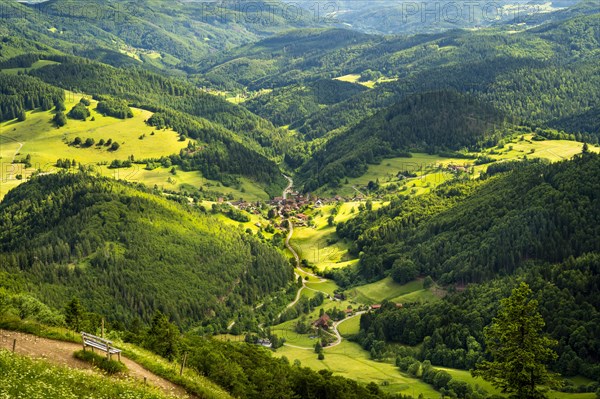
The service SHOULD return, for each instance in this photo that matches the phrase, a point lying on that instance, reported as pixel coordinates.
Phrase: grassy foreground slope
(21, 377)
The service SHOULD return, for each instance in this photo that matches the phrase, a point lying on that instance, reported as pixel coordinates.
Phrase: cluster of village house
(293, 203)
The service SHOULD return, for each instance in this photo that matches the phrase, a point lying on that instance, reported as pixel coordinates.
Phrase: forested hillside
(234, 137)
(152, 33)
(543, 76)
(522, 221)
(127, 253)
(293, 104)
(473, 231)
(24, 93)
(285, 59)
(425, 122)
(451, 332)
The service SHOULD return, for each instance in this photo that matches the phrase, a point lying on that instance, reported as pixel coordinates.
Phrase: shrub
(115, 108)
(79, 111)
(60, 119)
(109, 366)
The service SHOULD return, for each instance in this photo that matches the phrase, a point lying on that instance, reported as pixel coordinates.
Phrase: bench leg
(119, 355)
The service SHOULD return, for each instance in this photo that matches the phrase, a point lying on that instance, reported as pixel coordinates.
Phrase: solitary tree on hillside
(162, 337)
(518, 348)
(74, 314)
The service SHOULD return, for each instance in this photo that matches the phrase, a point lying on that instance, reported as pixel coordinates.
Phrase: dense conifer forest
(126, 252)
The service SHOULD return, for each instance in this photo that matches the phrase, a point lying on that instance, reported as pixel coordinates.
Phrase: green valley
(278, 199)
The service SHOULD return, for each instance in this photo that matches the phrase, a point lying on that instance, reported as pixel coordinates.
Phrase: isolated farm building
(264, 342)
(322, 322)
(375, 307)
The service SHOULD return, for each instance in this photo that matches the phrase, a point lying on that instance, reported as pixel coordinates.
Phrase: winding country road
(288, 238)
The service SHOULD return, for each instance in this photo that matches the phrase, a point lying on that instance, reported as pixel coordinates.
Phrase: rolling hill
(151, 33)
(430, 121)
(467, 232)
(127, 252)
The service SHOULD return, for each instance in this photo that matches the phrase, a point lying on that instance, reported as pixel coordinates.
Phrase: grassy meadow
(431, 169)
(349, 360)
(354, 78)
(319, 244)
(44, 143)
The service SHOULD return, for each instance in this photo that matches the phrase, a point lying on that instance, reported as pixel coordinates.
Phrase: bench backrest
(90, 337)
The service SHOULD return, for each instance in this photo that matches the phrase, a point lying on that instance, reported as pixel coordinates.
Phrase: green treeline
(113, 107)
(127, 253)
(19, 93)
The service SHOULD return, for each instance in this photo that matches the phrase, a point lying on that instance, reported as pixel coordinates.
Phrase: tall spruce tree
(519, 349)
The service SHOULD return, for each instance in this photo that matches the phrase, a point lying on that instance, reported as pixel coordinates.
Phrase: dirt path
(61, 353)
(337, 332)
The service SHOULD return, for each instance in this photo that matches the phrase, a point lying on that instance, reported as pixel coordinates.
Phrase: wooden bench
(101, 344)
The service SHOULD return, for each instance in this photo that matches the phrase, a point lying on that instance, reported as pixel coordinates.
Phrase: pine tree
(60, 119)
(74, 313)
(585, 149)
(518, 348)
(163, 337)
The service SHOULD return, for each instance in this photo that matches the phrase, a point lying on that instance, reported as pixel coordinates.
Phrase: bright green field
(426, 166)
(184, 181)
(350, 360)
(430, 168)
(422, 295)
(46, 143)
(328, 286)
(354, 78)
(387, 289)
(311, 242)
(349, 327)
